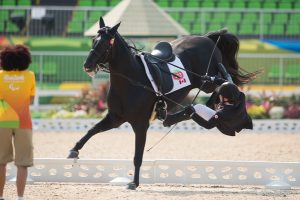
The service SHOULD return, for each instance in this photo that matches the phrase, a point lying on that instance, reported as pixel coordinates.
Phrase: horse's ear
(114, 29)
(101, 23)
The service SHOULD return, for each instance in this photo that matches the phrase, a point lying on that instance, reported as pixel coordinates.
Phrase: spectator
(17, 90)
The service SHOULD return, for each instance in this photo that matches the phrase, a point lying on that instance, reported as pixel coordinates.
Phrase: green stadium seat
(24, 2)
(293, 29)
(100, 3)
(294, 17)
(269, 4)
(274, 72)
(208, 16)
(112, 3)
(280, 18)
(85, 3)
(224, 4)
(78, 15)
(163, 3)
(292, 72)
(8, 2)
(234, 17)
(188, 17)
(239, 4)
(199, 16)
(256, 28)
(246, 29)
(208, 4)
(193, 4)
(3, 15)
(219, 17)
(285, 5)
(267, 18)
(177, 3)
(276, 29)
(266, 28)
(250, 18)
(297, 5)
(254, 4)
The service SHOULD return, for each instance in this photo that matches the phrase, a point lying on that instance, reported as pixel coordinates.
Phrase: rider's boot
(179, 116)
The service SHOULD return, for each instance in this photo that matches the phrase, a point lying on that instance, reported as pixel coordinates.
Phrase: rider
(225, 110)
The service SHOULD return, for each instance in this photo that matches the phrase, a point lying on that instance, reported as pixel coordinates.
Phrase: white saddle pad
(181, 79)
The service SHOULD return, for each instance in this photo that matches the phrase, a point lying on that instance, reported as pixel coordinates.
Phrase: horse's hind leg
(110, 121)
(140, 140)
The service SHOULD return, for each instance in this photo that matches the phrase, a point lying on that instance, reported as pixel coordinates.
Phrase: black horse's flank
(128, 102)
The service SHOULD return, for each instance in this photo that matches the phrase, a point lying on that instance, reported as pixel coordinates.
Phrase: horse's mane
(132, 48)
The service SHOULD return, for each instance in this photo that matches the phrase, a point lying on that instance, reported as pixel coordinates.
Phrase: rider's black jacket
(229, 119)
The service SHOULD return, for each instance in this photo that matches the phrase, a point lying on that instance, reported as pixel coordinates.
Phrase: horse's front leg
(108, 122)
(140, 140)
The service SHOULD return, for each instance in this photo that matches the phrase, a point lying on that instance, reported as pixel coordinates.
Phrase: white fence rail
(282, 175)
(83, 125)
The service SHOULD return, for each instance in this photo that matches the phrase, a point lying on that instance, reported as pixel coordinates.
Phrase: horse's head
(100, 54)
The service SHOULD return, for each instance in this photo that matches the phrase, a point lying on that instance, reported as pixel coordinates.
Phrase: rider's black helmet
(229, 91)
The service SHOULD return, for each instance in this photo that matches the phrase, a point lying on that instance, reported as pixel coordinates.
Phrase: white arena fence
(83, 125)
(272, 175)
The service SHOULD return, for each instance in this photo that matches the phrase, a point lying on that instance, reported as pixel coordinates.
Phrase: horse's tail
(229, 47)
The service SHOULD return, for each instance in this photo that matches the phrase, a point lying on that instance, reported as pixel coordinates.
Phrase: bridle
(105, 63)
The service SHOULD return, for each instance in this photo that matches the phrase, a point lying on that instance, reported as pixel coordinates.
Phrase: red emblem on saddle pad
(177, 75)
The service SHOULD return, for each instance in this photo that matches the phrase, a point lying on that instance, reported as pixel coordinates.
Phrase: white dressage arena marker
(272, 175)
(83, 125)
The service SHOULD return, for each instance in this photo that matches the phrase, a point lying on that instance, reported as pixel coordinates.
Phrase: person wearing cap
(225, 110)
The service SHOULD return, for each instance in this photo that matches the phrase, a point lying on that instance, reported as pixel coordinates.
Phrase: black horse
(128, 102)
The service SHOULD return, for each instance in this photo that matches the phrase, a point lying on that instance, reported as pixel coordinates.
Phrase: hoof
(73, 154)
(131, 186)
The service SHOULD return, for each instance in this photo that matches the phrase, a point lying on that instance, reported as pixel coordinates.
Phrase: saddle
(157, 62)
(163, 52)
